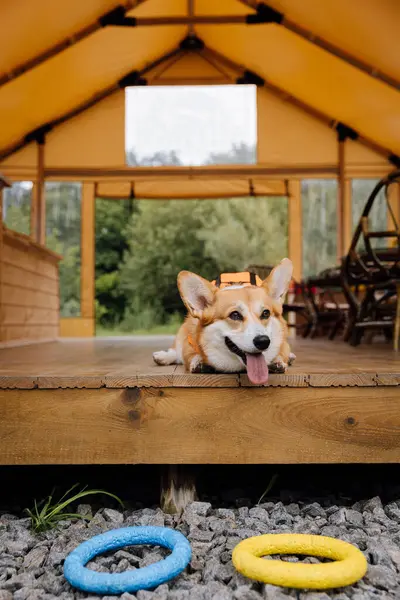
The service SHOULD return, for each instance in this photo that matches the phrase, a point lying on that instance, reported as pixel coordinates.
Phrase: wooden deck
(95, 401)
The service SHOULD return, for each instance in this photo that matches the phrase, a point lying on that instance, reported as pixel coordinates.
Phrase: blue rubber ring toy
(130, 581)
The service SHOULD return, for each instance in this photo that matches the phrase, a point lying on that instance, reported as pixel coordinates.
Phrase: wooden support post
(295, 227)
(1, 262)
(190, 4)
(88, 254)
(347, 216)
(341, 192)
(178, 488)
(38, 205)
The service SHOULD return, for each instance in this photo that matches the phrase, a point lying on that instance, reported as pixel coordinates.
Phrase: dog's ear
(278, 281)
(197, 293)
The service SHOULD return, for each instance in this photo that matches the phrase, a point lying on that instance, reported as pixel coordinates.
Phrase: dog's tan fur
(209, 319)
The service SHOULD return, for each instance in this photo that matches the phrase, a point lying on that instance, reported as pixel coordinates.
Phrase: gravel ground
(31, 566)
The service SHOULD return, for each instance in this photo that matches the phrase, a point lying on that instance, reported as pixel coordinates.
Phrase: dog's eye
(236, 316)
(265, 314)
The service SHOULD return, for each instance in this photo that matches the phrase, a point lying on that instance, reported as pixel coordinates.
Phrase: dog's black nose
(261, 342)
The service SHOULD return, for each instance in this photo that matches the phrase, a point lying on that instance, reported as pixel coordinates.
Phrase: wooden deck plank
(388, 379)
(79, 382)
(196, 426)
(127, 362)
(342, 380)
(182, 378)
(285, 380)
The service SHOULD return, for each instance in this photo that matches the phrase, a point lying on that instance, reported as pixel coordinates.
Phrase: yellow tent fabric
(322, 63)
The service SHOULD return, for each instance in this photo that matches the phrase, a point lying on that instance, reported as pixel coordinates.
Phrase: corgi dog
(233, 329)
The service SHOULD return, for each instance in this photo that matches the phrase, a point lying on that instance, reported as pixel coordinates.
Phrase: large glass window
(17, 206)
(141, 248)
(361, 190)
(191, 125)
(63, 235)
(319, 215)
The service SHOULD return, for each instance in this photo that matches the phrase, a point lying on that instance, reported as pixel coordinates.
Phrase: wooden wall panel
(29, 290)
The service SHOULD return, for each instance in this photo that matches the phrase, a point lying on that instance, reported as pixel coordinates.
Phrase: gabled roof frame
(192, 43)
(264, 10)
(264, 14)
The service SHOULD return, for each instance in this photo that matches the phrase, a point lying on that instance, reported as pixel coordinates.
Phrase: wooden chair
(296, 303)
(371, 276)
(327, 308)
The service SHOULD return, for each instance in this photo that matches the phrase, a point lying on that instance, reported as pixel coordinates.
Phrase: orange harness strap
(193, 343)
(244, 279)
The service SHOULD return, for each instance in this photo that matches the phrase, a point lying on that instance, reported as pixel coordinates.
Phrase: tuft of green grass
(46, 514)
(269, 487)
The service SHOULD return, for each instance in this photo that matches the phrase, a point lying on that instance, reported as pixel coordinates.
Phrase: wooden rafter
(67, 42)
(321, 42)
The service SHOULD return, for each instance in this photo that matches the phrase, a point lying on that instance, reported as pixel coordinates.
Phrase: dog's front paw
(278, 367)
(292, 358)
(165, 357)
(196, 364)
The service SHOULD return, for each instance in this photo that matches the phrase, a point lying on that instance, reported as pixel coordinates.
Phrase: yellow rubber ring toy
(348, 567)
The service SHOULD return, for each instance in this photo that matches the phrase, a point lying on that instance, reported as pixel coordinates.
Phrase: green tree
(112, 217)
(319, 215)
(158, 159)
(63, 235)
(242, 231)
(17, 206)
(239, 154)
(163, 240)
(204, 236)
(361, 191)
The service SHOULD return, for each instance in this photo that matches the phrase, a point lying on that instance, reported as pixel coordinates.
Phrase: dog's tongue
(257, 369)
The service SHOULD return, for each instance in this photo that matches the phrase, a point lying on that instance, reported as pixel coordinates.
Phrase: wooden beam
(182, 20)
(189, 425)
(38, 203)
(64, 44)
(324, 44)
(173, 173)
(340, 199)
(295, 227)
(88, 253)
